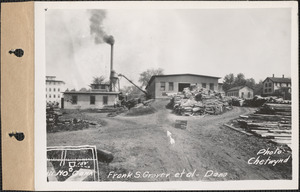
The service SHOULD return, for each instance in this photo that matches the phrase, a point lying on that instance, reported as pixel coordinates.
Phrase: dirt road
(206, 150)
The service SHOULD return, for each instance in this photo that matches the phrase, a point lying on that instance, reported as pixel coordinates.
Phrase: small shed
(95, 98)
(244, 92)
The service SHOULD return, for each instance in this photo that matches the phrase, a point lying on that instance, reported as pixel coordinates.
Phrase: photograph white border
(40, 108)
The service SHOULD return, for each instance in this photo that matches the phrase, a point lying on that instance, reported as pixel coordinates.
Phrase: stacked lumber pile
(258, 101)
(271, 121)
(275, 109)
(199, 102)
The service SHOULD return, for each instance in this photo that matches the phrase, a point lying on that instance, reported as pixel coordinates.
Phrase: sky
(215, 42)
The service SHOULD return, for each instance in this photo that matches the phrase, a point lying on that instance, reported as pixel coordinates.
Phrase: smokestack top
(109, 39)
(273, 75)
(282, 76)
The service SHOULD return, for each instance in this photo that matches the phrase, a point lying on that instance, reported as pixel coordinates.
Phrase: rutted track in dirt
(140, 143)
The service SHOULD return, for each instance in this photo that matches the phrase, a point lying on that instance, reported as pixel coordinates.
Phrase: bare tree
(146, 75)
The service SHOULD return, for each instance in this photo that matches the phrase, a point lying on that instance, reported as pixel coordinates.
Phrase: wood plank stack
(271, 121)
(258, 101)
(275, 109)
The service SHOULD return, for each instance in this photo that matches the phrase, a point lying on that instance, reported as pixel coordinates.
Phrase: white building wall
(159, 93)
(248, 93)
(83, 101)
(54, 91)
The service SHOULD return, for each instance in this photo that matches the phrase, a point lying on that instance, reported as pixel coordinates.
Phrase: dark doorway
(181, 86)
(62, 102)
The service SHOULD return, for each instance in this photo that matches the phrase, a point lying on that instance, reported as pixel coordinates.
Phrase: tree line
(230, 81)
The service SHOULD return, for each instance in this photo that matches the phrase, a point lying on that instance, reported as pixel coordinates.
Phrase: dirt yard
(206, 150)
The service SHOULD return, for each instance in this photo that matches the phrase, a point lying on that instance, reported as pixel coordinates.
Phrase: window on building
(171, 86)
(49, 89)
(266, 84)
(270, 90)
(54, 82)
(58, 89)
(211, 86)
(162, 86)
(46, 95)
(270, 84)
(266, 90)
(46, 89)
(74, 99)
(102, 87)
(54, 96)
(105, 100)
(204, 85)
(58, 95)
(54, 89)
(50, 96)
(242, 94)
(92, 100)
(249, 94)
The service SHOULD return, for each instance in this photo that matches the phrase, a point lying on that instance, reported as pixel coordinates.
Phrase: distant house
(160, 86)
(98, 97)
(277, 86)
(244, 92)
(54, 90)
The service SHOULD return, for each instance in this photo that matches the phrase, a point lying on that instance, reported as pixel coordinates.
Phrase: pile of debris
(133, 107)
(199, 102)
(52, 116)
(271, 121)
(69, 125)
(56, 124)
(142, 108)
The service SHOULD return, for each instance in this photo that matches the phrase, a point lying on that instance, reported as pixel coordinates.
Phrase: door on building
(62, 102)
(181, 86)
(105, 100)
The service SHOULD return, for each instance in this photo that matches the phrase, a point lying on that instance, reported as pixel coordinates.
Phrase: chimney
(111, 41)
(282, 76)
(111, 65)
(273, 75)
(111, 57)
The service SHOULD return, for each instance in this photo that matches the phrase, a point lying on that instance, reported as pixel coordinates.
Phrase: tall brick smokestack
(110, 40)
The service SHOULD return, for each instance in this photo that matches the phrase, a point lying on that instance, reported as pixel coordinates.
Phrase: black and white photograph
(168, 94)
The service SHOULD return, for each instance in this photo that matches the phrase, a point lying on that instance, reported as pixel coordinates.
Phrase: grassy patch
(144, 110)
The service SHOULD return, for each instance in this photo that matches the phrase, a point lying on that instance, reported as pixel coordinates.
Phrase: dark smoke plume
(97, 29)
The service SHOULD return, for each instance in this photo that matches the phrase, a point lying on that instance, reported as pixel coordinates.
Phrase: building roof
(184, 74)
(91, 92)
(279, 79)
(47, 80)
(237, 88)
(100, 84)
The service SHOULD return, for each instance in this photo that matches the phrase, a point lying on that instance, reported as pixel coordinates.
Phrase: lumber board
(269, 117)
(280, 131)
(281, 141)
